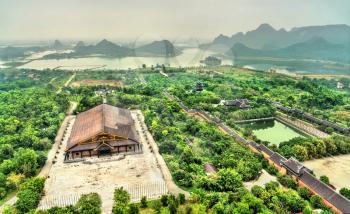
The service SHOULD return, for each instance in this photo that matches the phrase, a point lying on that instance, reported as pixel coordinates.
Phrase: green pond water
(273, 131)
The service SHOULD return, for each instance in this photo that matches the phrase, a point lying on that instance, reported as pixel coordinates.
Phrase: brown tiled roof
(102, 119)
(91, 146)
(326, 192)
(266, 150)
(277, 158)
(293, 165)
(209, 168)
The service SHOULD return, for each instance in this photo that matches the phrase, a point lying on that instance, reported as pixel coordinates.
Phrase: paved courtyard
(138, 173)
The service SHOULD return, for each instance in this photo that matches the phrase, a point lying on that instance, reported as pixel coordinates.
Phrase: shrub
(181, 198)
(271, 170)
(172, 207)
(29, 194)
(304, 192)
(144, 202)
(133, 209)
(324, 179)
(157, 206)
(287, 181)
(164, 200)
(345, 192)
(316, 202)
(121, 201)
(89, 204)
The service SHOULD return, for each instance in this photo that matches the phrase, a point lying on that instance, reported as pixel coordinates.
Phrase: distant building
(211, 61)
(241, 103)
(340, 85)
(200, 86)
(210, 168)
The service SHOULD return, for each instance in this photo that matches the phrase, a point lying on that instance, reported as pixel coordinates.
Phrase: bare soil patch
(337, 168)
(90, 82)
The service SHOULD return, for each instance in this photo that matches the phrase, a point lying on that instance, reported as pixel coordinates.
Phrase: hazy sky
(148, 19)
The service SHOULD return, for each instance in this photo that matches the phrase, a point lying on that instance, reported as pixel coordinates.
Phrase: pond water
(188, 57)
(273, 131)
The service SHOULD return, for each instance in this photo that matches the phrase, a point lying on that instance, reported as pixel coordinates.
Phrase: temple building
(102, 130)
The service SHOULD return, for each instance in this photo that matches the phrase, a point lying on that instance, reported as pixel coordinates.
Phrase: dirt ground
(96, 82)
(139, 174)
(337, 168)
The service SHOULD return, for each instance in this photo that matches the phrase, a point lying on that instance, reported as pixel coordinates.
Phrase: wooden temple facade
(102, 130)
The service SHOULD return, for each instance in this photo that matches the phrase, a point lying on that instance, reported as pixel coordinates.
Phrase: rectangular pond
(273, 131)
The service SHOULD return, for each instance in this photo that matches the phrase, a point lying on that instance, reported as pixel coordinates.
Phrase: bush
(304, 192)
(188, 210)
(157, 206)
(345, 192)
(164, 200)
(271, 170)
(89, 204)
(316, 202)
(172, 207)
(181, 198)
(121, 201)
(287, 181)
(324, 179)
(29, 194)
(144, 202)
(133, 209)
(27, 200)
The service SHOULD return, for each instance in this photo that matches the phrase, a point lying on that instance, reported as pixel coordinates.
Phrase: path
(66, 83)
(302, 126)
(51, 154)
(264, 178)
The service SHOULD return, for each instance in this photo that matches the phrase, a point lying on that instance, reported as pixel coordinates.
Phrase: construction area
(141, 174)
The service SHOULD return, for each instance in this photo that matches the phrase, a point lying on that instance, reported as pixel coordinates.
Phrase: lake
(189, 57)
(273, 131)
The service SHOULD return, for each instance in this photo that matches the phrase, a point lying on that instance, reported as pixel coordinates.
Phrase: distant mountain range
(314, 48)
(266, 37)
(315, 42)
(104, 48)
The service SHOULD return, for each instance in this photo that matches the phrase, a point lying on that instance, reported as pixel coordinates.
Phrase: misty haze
(170, 107)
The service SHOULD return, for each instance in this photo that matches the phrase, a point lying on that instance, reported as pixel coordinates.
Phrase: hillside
(267, 38)
(159, 48)
(314, 48)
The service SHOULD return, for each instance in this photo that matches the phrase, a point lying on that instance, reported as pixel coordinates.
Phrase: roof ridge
(103, 118)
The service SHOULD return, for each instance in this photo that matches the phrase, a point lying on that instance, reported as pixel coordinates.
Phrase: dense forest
(30, 115)
(31, 112)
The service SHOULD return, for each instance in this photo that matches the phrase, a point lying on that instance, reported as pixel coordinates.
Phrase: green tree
(89, 204)
(144, 202)
(345, 192)
(324, 179)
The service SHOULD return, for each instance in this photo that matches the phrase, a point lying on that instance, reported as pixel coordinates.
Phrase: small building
(200, 86)
(210, 169)
(104, 129)
(241, 103)
(340, 85)
(294, 167)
